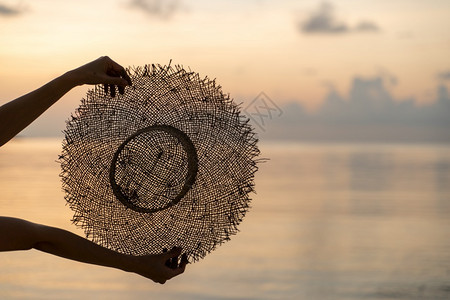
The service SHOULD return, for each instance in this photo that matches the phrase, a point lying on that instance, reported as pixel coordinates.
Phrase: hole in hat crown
(153, 168)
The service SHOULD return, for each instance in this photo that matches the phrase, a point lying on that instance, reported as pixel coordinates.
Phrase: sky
(290, 50)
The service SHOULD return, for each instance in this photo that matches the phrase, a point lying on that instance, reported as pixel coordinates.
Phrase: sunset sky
(291, 50)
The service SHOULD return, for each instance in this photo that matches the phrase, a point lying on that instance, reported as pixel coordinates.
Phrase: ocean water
(329, 221)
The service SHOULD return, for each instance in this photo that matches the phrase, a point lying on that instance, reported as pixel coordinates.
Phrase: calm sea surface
(329, 221)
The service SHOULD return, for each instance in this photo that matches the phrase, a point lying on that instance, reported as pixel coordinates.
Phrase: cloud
(367, 26)
(8, 11)
(324, 21)
(388, 78)
(444, 75)
(163, 9)
(366, 112)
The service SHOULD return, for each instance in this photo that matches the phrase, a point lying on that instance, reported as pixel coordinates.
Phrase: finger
(182, 266)
(121, 89)
(167, 262)
(179, 270)
(174, 263)
(120, 71)
(176, 251)
(112, 89)
(109, 79)
(125, 76)
(184, 261)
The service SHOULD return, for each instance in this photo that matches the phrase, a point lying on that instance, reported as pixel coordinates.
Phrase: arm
(17, 234)
(19, 113)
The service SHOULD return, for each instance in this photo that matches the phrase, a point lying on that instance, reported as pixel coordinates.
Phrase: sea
(327, 221)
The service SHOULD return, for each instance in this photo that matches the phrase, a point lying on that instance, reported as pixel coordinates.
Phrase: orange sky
(249, 46)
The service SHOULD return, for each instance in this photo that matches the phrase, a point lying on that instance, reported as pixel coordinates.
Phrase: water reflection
(328, 222)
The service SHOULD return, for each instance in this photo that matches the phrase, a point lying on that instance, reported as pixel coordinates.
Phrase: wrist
(71, 79)
(127, 263)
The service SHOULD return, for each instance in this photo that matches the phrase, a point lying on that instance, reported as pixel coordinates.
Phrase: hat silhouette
(169, 163)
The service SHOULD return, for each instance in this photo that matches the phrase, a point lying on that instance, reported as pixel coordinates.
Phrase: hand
(161, 267)
(102, 71)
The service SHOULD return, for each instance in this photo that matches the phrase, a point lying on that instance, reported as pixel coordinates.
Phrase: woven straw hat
(169, 163)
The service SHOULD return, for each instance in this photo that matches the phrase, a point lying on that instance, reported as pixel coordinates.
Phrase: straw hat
(169, 163)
